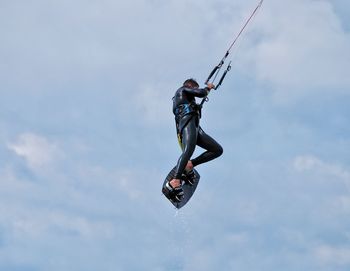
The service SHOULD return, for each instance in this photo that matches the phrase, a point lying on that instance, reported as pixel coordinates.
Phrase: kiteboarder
(182, 180)
(187, 114)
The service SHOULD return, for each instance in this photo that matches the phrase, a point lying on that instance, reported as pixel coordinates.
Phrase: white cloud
(304, 50)
(342, 204)
(328, 255)
(31, 223)
(37, 151)
(311, 163)
(154, 103)
(109, 186)
(120, 181)
(238, 239)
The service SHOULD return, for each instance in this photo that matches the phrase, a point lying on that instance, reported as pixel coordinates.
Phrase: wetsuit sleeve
(198, 92)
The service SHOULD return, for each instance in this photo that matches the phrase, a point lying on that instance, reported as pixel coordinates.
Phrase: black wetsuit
(190, 134)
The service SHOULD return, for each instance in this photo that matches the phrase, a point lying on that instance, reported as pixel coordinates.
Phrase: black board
(188, 189)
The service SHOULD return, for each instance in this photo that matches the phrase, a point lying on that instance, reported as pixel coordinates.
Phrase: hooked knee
(218, 151)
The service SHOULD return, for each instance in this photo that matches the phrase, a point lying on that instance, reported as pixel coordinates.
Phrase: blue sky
(87, 136)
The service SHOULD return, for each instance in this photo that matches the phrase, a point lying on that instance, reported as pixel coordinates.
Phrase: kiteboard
(188, 188)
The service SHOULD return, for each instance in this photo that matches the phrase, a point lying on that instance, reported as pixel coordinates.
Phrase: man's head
(191, 83)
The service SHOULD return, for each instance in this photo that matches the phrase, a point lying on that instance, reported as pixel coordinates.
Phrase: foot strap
(176, 193)
(190, 177)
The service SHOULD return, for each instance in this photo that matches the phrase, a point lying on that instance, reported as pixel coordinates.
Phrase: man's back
(185, 95)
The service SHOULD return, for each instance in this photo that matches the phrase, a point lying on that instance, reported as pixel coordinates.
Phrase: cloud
(123, 182)
(101, 75)
(29, 223)
(330, 255)
(305, 163)
(303, 50)
(342, 204)
(154, 103)
(37, 151)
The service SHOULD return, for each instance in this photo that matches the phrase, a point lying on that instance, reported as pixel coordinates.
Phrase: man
(187, 114)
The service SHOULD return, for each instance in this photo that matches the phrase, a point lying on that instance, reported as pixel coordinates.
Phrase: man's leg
(213, 149)
(189, 139)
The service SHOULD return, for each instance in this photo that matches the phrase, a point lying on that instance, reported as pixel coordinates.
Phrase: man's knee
(219, 150)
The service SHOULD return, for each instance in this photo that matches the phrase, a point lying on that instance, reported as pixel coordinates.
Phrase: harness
(185, 109)
(180, 112)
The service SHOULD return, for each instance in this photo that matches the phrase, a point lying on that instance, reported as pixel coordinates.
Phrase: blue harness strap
(184, 109)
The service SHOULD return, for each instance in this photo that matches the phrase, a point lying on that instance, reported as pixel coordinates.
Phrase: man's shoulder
(185, 89)
(181, 89)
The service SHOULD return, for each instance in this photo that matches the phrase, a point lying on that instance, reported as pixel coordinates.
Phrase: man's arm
(200, 92)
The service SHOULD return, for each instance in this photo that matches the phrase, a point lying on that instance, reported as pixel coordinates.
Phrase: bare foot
(189, 166)
(175, 183)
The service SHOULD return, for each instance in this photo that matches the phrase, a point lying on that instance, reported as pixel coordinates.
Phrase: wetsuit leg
(213, 149)
(189, 139)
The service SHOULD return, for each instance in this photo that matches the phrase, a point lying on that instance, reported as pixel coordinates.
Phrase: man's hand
(210, 86)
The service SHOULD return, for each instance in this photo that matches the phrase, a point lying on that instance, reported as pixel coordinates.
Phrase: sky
(87, 135)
